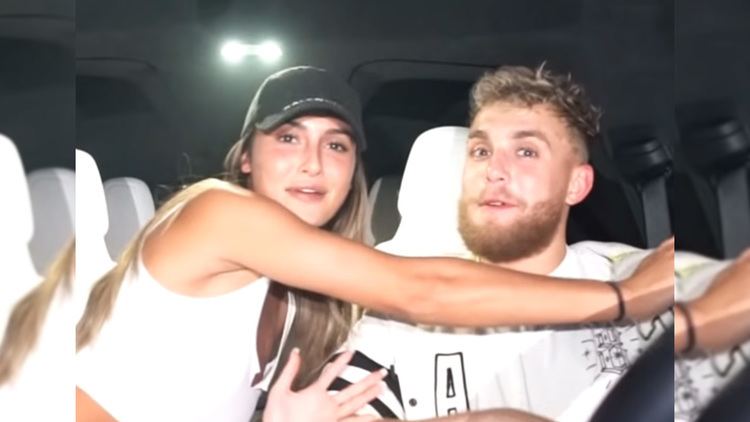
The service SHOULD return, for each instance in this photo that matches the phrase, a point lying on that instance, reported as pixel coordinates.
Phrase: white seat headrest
(52, 193)
(130, 206)
(17, 272)
(16, 219)
(429, 195)
(92, 205)
(92, 257)
(382, 211)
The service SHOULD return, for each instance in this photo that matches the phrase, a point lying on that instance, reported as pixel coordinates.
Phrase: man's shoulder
(606, 260)
(694, 273)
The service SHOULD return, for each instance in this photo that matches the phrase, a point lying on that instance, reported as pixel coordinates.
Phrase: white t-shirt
(700, 379)
(163, 356)
(562, 374)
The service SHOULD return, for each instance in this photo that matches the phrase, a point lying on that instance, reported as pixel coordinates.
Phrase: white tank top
(43, 389)
(162, 356)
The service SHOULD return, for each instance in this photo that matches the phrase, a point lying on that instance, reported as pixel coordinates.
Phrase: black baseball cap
(301, 90)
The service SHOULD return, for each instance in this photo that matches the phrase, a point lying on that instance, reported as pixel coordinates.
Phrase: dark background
(140, 85)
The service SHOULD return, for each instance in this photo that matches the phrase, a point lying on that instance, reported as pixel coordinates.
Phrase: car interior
(139, 96)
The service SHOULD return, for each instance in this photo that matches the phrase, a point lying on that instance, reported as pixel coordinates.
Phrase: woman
(187, 323)
(36, 351)
(720, 318)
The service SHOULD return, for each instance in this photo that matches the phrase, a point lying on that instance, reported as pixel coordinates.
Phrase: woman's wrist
(620, 301)
(685, 330)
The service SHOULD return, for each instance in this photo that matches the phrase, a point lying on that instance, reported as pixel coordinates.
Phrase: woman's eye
(338, 147)
(287, 138)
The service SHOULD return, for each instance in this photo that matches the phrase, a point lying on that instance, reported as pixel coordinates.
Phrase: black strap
(690, 327)
(339, 384)
(362, 361)
(734, 211)
(620, 301)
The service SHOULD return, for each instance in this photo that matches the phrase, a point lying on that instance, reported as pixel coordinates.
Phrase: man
(715, 295)
(526, 164)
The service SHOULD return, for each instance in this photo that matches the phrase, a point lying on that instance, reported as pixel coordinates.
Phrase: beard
(527, 236)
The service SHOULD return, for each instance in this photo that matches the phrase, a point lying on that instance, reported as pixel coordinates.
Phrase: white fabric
(699, 379)
(382, 211)
(130, 206)
(17, 272)
(53, 202)
(43, 388)
(428, 198)
(562, 374)
(163, 356)
(93, 259)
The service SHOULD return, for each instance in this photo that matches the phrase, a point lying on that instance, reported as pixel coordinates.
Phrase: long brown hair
(28, 315)
(104, 293)
(321, 324)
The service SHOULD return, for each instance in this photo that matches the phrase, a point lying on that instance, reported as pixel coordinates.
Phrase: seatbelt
(646, 391)
(720, 152)
(731, 405)
(645, 164)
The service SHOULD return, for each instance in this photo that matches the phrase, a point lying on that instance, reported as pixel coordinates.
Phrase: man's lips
(497, 203)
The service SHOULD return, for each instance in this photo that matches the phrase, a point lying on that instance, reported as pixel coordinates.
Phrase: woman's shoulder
(220, 201)
(217, 207)
(196, 209)
(212, 188)
(194, 230)
(210, 195)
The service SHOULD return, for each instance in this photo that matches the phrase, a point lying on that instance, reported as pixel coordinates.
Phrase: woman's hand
(315, 403)
(650, 290)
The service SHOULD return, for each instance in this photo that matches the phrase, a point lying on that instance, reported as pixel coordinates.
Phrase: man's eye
(527, 153)
(479, 152)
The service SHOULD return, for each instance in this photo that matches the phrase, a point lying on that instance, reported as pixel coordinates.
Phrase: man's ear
(580, 185)
(245, 163)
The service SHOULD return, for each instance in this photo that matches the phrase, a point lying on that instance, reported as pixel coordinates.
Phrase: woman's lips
(307, 194)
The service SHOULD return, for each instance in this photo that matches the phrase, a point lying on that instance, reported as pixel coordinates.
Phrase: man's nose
(497, 169)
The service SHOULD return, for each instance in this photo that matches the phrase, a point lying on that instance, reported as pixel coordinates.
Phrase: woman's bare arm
(250, 231)
(87, 410)
(721, 316)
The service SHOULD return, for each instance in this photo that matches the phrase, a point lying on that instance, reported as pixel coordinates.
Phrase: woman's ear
(245, 163)
(580, 185)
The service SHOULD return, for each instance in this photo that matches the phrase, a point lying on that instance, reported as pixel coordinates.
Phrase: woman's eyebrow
(295, 124)
(341, 131)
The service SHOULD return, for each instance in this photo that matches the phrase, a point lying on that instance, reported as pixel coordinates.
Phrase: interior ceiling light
(234, 52)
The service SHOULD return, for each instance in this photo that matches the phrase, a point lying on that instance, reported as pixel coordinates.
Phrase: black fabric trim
(362, 361)
(339, 384)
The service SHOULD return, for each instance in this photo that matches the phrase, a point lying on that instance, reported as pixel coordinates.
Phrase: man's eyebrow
(531, 133)
(479, 134)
